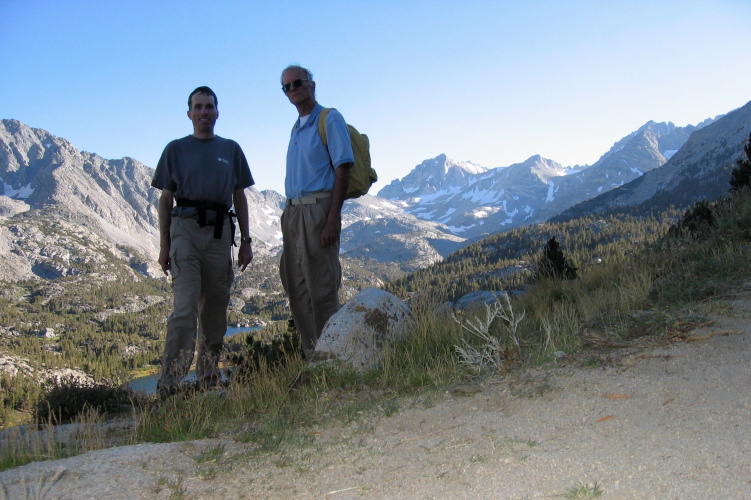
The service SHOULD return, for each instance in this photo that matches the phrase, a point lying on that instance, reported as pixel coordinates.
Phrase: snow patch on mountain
(21, 193)
(551, 191)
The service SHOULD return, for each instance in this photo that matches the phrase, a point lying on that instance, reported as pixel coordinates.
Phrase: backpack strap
(322, 125)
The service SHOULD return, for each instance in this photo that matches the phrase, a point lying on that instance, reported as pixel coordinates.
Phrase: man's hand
(330, 233)
(164, 260)
(164, 210)
(244, 255)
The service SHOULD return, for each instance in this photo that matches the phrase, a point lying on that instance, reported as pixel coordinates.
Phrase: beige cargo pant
(201, 269)
(310, 273)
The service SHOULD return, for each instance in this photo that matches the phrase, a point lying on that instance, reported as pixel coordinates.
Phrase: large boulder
(478, 300)
(358, 333)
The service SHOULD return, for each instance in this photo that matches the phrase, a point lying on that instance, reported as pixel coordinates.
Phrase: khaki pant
(310, 273)
(201, 268)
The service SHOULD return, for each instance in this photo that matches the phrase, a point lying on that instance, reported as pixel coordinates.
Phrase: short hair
(307, 72)
(205, 91)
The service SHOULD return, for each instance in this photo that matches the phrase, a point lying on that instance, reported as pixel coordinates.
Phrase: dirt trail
(670, 422)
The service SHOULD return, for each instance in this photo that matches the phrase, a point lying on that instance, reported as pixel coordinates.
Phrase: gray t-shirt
(202, 169)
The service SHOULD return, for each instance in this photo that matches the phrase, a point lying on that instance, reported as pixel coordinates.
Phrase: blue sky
(492, 82)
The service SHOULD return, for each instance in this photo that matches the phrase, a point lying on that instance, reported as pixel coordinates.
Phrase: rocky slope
(64, 209)
(375, 229)
(700, 170)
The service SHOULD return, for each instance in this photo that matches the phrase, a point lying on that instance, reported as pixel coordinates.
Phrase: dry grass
(48, 441)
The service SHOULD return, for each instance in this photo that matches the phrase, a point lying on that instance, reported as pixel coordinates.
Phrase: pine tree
(553, 263)
(741, 176)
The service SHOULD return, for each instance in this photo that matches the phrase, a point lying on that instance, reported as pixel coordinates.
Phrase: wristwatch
(246, 239)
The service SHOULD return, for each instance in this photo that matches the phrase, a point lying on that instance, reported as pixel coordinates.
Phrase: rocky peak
(667, 137)
(542, 168)
(432, 175)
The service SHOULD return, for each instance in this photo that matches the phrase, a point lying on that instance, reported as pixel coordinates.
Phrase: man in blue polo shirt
(316, 185)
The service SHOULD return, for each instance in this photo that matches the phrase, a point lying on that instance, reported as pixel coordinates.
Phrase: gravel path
(669, 422)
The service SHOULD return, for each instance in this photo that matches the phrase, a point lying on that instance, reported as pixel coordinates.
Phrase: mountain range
(65, 211)
(473, 201)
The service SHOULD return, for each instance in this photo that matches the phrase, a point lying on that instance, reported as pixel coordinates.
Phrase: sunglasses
(294, 85)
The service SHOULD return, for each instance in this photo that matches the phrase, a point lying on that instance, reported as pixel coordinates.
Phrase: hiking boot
(164, 393)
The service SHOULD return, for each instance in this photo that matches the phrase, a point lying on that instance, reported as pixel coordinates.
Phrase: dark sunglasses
(294, 85)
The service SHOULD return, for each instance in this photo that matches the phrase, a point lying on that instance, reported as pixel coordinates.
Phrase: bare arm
(164, 210)
(333, 227)
(245, 254)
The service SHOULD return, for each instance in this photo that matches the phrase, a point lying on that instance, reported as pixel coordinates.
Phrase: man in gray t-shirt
(201, 176)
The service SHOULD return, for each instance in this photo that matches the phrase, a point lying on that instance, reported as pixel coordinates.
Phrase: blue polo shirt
(310, 165)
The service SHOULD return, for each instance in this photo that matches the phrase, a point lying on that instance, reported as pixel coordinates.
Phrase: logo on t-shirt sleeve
(223, 160)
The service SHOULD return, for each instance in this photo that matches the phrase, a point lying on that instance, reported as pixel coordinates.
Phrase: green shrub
(554, 264)
(741, 175)
(257, 352)
(66, 398)
(697, 220)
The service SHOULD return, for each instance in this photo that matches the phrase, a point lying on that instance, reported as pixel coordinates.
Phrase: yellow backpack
(361, 175)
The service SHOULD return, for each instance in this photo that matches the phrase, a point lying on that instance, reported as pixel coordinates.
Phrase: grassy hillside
(506, 261)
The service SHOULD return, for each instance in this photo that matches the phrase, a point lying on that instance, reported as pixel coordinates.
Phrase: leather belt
(310, 199)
